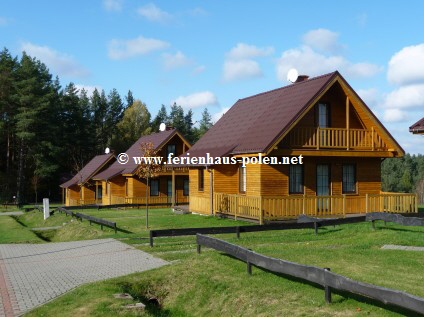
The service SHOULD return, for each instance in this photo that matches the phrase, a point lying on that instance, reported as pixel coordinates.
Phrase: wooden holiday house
(81, 189)
(418, 127)
(321, 122)
(121, 185)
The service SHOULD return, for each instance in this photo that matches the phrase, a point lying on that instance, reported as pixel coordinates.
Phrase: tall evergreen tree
(161, 117)
(205, 123)
(129, 99)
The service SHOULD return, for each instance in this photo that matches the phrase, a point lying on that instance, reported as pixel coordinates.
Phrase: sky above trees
(213, 53)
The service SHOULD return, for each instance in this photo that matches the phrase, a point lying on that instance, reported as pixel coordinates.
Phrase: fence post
(366, 203)
(249, 267)
(316, 227)
(373, 224)
(261, 212)
(327, 288)
(199, 250)
(344, 205)
(116, 229)
(151, 238)
(238, 232)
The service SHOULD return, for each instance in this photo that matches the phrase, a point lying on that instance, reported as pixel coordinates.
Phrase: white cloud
(153, 13)
(121, 49)
(323, 40)
(197, 100)
(244, 51)
(309, 62)
(216, 116)
(407, 66)
(241, 69)
(173, 61)
(394, 115)
(88, 89)
(199, 69)
(4, 21)
(369, 96)
(112, 5)
(411, 96)
(60, 63)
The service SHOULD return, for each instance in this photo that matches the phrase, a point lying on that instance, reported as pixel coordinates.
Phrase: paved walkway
(401, 247)
(11, 213)
(32, 274)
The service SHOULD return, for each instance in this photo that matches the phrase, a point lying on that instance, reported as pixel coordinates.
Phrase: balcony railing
(335, 138)
(283, 207)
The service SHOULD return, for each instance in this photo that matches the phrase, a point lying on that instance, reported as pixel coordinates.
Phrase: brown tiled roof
(254, 123)
(157, 139)
(88, 170)
(417, 127)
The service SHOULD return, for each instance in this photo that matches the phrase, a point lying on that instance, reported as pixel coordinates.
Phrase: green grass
(214, 284)
(13, 232)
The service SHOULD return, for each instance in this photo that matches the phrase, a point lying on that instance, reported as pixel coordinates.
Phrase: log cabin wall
(275, 178)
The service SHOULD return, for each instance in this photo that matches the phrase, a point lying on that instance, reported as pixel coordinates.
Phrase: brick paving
(32, 274)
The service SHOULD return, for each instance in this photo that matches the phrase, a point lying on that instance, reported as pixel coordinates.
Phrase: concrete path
(11, 213)
(32, 274)
(401, 247)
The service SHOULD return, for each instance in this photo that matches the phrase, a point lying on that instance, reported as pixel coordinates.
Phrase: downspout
(211, 188)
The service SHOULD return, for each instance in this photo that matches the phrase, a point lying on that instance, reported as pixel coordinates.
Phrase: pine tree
(205, 123)
(161, 117)
(129, 99)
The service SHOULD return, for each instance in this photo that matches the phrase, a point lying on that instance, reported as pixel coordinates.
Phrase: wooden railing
(277, 208)
(336, 138)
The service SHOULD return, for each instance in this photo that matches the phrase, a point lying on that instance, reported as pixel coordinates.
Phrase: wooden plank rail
(388, 217)
(329, 280)
(336, 138)
(255, 228)
(80, 216)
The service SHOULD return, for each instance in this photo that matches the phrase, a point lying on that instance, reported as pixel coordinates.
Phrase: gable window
(323, 115)
(171, 149)
(201, 179)
(154, 187)
(296, 179)
(349, 178)
(186, 187)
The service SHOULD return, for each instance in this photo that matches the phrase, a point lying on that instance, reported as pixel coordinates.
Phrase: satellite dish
(292, 75)
(162, 127)
(107, 150)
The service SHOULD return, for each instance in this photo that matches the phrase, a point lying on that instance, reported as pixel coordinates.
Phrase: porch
(114, 200)
(265, 208)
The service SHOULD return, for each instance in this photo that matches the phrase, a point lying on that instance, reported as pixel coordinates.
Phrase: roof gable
(159, 140)
(88, 170)
(417, 127)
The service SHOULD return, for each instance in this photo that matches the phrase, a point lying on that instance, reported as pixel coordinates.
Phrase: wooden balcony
(335, 138)
(285, 207)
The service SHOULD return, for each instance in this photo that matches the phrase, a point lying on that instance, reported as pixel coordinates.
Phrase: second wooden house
(121, 185)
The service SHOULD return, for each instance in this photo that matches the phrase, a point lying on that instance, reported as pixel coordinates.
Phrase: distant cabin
(323, 119)
(418, 127)
(81, 189)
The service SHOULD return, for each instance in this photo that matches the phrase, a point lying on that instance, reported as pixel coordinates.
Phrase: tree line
(49, 132)
(404, 175)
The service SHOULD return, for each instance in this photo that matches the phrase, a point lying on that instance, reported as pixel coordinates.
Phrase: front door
(323, 186)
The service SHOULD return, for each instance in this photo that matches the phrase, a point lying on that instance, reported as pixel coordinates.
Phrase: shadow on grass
(345, 294)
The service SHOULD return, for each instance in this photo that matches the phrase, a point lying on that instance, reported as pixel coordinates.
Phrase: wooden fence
(388, 217)
(254, 228)
(80, 216)
(324, 277)
(268, 208)
(199, 204)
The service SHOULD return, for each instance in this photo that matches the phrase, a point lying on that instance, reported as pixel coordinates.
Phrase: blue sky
(211, 53)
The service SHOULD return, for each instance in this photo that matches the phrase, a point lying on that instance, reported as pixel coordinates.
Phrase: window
(171, 149)
(323, 180)
(323, 115)
(186, 187)
(154, 187)
(201, 179)
(296, 179)
(99, 192)
(349, 178)
(242, 179)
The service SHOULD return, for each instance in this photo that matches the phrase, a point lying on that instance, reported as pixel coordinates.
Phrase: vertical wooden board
(253, 179)
(274, 180)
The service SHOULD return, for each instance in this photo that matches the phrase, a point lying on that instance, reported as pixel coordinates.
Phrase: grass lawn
(214, 284)
(12, 232)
